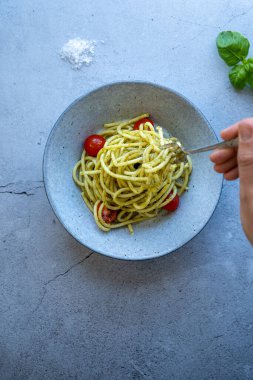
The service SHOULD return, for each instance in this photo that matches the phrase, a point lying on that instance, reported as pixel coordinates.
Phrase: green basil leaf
(247, 66)
(232, 47)
(238, 77)
(250, 64)
(250, 79)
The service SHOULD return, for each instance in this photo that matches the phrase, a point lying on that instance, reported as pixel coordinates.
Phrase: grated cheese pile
(78, 52)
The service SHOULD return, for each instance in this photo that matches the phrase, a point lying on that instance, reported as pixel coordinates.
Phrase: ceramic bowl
(114, 102)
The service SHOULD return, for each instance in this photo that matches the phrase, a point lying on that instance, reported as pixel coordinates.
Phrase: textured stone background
(70, 314)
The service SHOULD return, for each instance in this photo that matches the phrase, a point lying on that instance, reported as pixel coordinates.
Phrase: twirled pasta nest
(131, 174)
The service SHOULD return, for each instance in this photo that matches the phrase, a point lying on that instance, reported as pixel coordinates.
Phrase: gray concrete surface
(70, 314)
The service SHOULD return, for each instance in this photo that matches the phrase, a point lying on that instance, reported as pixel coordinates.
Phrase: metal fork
(181, 150)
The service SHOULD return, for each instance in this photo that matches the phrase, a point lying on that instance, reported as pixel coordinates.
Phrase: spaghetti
(131, 174)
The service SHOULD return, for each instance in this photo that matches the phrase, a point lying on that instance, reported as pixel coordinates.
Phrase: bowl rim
(47, 146)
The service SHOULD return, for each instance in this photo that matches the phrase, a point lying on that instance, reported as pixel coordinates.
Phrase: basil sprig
(233, 48)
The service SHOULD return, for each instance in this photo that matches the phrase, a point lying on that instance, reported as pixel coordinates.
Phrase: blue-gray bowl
(114, 102)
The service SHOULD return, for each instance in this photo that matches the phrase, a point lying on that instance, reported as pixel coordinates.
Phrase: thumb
(245, 157)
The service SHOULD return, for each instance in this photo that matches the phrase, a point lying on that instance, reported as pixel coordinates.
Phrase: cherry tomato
(142, 121)
(173, 205)
(108, 215)
(93, 144)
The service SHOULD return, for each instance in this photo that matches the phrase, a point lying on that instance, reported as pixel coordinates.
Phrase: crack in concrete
(17, 193)
(207, 25)
(191, 39)
(39, 303)
(218, 336)
(193, 22)
(68, 270)
(54, 279)
(7, 184)
(20, 188)
(138, 370)
(238, 15)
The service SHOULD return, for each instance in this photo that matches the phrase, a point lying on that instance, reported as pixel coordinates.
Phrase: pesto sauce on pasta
(131, 174)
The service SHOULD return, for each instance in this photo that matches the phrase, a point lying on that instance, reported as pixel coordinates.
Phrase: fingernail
(245, 132)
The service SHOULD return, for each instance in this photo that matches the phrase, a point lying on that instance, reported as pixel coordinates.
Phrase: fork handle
(224, 144)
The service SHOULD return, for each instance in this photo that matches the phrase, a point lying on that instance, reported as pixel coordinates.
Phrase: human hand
(234, 163)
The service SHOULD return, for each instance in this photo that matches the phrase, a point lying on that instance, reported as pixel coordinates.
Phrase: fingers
(232, 174)
(239, 163)
(245, 165)
(226, 166)
(219, 156)
(245, 157)
(230, 132)
(226, 160)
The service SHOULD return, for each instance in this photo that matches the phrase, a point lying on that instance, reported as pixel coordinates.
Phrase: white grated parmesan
(78, 52)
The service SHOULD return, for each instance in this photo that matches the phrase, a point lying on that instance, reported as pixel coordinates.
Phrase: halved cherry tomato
(173, 205)
(142, 121)
(93, 144)
(108, 215)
